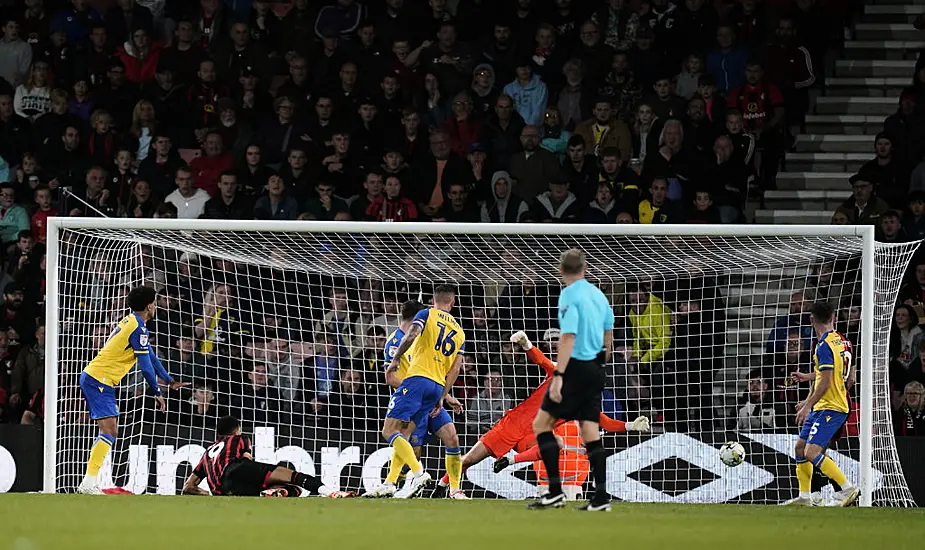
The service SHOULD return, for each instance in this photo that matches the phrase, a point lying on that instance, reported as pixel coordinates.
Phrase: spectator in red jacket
(463, 127)
(208, 168)
(392, 207)
(790, 68)
(140, 56)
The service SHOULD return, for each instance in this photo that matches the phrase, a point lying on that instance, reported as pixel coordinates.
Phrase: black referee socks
(549, 450)
(598, 459)
(311, 483)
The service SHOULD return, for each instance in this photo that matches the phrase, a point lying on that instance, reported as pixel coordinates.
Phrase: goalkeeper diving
(514, 431)
(127, 345)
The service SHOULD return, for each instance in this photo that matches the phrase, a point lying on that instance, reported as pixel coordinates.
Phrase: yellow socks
(454, 467)
(804, 475)
(395, 467)
(831, 470)
(404, 451)
(98, 453)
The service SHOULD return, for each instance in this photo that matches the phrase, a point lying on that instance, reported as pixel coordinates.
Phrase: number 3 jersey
(833, 353)
(435, 350)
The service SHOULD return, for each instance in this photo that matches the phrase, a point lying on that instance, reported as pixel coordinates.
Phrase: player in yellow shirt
(127, 345)
(825, 410)
(440, 425)
(437, 343)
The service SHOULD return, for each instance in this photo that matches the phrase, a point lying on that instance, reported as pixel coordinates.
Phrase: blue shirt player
(825, 410)
(585, 342)
(127, 345)
(436, 342)
(440, 425)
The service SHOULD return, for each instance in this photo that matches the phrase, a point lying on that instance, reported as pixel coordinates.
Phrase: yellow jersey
(117, 357)
(834, 354)
(434, 351)
(391, 346)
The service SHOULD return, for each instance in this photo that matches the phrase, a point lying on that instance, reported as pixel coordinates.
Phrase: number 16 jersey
(435, 350)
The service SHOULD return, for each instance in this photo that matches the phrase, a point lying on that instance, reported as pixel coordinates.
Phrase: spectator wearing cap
(891, 172)
(483, 90)
(482, 169)
(59, 53)
(726, 62)
(505, 206)
(914, 222)
(15, 54)
(125, 16)
(463, 127)
(190, 201)
(906, 128)
(866, 207)
(529, 93)
(75, 21)
(239, 53)
(164, 92)
(604, 130)
(343, 17)
(208, 167)
(534, 167)
(645, 59)
(790, 68)
(276, 204)
(557, 205)
(140, 56)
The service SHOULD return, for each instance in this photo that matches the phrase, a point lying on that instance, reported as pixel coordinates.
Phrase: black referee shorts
(246, 478)
(582, 385)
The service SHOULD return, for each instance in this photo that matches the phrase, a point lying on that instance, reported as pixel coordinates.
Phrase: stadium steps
(854, 125)
(807, 200)
(897, 2)
(813, 181)
(873, 86)
(902, 12)
(836, 105)
(833, 143)
(887, 31)
(826, 162)
(884, 49)
(793, 217)
(848, 68)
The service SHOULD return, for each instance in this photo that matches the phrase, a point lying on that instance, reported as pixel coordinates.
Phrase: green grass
(52, 522)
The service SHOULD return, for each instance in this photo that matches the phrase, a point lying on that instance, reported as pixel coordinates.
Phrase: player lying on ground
(437, 343)
(514, 431)
(440, 424)
(127, 345)
(228, 466)
(824, 412)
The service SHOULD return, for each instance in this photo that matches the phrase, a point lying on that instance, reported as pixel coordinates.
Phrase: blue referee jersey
(585, 312)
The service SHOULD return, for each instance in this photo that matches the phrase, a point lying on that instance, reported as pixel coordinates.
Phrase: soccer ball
(732, 453)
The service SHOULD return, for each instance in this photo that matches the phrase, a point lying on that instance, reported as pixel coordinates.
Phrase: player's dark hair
(226, 426)
(409, 309)
(822, 312)
(139, 298)
(444, 292)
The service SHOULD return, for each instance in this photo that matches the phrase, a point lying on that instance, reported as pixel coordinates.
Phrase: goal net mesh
(286, 330)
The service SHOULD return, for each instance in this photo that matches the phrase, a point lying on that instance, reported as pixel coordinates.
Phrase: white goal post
(264, 314)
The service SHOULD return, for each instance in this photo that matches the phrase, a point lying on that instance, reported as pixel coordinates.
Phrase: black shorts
(246, 478)
(582, 385)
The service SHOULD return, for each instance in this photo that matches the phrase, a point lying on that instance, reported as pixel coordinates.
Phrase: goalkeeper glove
(640, 424)
(520, 338)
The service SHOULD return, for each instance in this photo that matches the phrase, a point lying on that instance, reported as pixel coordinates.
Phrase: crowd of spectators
(465, 111)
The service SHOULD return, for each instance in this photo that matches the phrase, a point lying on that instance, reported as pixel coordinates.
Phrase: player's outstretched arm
(406, 344)
(162, 372)
(191, 486)
(534, 354)
(640, 424)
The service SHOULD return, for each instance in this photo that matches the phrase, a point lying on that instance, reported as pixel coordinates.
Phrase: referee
(586, 328)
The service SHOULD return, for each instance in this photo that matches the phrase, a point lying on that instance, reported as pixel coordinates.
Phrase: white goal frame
(866, 233)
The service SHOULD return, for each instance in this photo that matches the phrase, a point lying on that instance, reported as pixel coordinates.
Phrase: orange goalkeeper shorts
(503, 438)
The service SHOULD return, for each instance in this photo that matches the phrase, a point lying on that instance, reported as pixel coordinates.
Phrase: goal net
(283, 325)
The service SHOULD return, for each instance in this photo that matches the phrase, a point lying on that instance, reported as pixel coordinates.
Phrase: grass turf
(45, 522)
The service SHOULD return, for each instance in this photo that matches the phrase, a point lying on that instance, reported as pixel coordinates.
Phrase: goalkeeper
(515, 429)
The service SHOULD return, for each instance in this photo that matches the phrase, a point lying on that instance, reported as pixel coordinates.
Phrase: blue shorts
(821, 426)
(100, 398)
(421, 434)
(413, 401)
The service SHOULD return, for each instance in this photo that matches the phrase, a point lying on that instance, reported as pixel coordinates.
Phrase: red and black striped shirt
(218, 456)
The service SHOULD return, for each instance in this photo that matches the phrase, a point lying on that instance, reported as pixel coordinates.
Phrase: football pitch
(46, 522)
